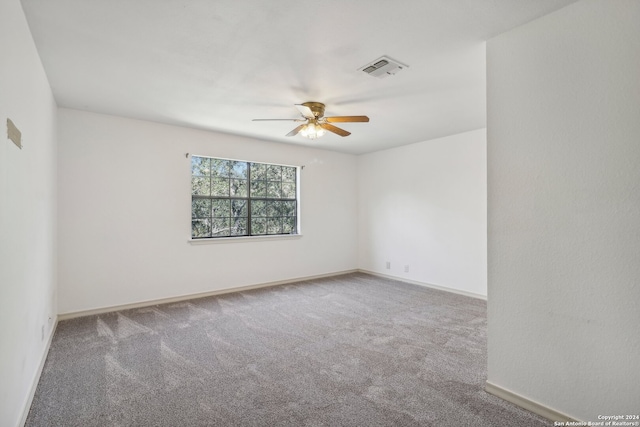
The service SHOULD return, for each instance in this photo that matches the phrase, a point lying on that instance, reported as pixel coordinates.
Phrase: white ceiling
(217, 64)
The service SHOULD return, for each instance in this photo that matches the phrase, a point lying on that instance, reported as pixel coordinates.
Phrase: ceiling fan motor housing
(317, 108)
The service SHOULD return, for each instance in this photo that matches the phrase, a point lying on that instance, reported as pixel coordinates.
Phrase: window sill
(216, 240)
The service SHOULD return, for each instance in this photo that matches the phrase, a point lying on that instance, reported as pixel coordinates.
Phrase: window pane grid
(235, 198)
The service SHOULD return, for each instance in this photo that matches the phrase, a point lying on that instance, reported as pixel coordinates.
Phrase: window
(231, 198)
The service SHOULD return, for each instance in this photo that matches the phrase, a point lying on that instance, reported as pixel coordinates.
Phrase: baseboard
(36, 377)
(109, 309)
(528, 404)
(427, 285)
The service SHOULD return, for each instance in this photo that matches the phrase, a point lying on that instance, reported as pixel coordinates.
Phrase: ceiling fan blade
(277, 120)
(305, 111)
(344, 119)
(296, 130)
(336, 130)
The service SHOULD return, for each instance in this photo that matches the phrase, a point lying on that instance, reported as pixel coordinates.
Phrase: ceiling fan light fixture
(312, 130)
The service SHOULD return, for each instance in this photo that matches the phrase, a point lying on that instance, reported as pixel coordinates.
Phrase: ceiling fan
(315, 122)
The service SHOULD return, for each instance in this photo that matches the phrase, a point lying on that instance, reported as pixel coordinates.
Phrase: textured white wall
(125, 209)
(425, 205)
(27, 213)
(564, 209)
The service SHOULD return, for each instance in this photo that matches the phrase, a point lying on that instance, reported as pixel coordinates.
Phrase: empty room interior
(332, 213)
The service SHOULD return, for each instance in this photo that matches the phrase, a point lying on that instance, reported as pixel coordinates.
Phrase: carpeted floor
(353, 350)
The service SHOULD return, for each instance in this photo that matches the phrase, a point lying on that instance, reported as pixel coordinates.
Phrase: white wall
(27, 213)
(564, 209)
(125, 212)
(425, 205)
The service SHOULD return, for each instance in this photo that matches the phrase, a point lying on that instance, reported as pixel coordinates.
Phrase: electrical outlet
(388, 265)
(406, 268)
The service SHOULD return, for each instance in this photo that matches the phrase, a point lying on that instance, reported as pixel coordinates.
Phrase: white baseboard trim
(528, 404)
(36, 377)
(109, 309)
(427, 285)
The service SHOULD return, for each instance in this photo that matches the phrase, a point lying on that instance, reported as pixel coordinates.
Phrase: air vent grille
(371, 68)
(383, 67)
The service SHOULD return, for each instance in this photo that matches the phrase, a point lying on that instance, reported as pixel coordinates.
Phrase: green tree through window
(235, 198)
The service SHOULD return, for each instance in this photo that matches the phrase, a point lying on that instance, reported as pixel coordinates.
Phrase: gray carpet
(353, 350)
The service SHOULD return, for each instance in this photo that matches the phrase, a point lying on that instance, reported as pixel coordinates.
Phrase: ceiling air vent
(383, 67)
